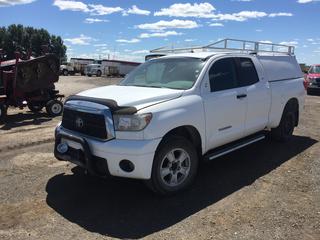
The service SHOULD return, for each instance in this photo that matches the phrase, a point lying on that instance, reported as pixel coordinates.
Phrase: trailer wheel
(3, 112)
(35, 107)
(54, 108)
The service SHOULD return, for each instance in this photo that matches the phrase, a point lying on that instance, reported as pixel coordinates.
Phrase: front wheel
(54, 108)
(65, 72)
(175, 166)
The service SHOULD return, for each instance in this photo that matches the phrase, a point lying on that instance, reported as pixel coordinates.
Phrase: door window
(222, 75)
(247, 72)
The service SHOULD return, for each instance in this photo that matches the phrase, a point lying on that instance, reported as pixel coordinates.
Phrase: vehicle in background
(172, 112)
(312, 79)
(110, 68)
(76, 65)
(93, 69)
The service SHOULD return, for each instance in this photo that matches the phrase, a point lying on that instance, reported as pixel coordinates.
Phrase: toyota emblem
(79, 123)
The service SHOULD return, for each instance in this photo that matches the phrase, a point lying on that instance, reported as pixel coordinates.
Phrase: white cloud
(103, 10)
(71, 5)
(81, 40)
(100, 45)
(135, 10)
(294, 43)
(259, 30)
(280, 14)
(206, 10)
(190, 40)
(216, 25)
(240, 16)
(266, 41)
(201, 10)
(162, 25)
(133, 40)
(140, 52)
(305, 1)
(159, 34)
(310, 40)
(6, 3)
(93, 9)
(94, 20)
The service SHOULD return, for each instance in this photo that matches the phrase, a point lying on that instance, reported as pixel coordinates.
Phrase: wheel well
(293, 104)
(188, 132)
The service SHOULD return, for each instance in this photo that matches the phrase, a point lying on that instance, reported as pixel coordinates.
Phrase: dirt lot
(265, 191)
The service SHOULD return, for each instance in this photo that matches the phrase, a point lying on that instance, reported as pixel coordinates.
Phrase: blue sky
(127, 29)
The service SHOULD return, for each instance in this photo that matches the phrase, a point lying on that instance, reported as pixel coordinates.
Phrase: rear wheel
(3, 112)
(54, 108)
(35, 107)
(175, 166)
(285, 129)
(99, 73)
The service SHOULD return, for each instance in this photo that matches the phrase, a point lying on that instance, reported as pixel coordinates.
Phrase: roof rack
(229, 44)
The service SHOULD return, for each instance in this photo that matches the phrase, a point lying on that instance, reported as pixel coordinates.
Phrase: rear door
(224, 103)
(257, 94)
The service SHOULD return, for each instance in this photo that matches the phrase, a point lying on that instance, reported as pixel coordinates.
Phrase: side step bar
(220, 151)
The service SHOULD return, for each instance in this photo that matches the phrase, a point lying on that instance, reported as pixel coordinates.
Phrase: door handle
(241, 96)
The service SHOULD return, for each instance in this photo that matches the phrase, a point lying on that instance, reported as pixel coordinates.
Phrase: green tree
(24, 39)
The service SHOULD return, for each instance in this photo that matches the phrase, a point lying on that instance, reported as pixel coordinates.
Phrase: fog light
(126, 165)
(62, 148)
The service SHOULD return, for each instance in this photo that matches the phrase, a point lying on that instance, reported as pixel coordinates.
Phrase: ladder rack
(229, 44)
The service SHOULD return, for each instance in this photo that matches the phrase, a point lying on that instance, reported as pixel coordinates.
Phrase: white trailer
(116, 67)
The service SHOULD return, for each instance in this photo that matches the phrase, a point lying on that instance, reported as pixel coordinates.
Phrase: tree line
(24, 39)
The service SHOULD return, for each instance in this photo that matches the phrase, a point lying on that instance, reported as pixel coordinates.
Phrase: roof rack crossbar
(228, 44)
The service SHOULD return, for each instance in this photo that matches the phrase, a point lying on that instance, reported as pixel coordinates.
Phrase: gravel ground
(265, 191)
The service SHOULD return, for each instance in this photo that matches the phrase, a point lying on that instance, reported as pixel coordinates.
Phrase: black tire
(284, 131)
(54, 108)
(99, 73)
(160, 184)
(65, 72)
(35, 107)
(89, 75)
(3, 112)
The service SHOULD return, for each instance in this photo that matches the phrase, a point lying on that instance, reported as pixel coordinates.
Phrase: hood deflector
(113, 105)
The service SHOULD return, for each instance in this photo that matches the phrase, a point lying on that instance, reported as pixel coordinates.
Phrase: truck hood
(138, 97)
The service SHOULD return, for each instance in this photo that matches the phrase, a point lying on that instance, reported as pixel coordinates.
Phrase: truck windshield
(314, 69)
(174, 73)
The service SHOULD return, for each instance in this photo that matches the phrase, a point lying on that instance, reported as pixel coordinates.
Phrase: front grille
(90, 124)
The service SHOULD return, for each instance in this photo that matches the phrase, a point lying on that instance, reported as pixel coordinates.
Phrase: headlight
(135, 122)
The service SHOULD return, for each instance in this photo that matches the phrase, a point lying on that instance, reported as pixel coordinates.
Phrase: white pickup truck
(172, 112)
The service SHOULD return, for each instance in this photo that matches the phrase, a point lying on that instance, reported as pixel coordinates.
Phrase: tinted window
(222, 75)
(247, 72)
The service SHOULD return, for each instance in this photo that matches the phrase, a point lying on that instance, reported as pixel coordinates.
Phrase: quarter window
(222, 75)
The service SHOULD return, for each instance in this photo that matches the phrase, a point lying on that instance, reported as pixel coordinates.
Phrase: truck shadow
(124, 208)
(24, 119)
